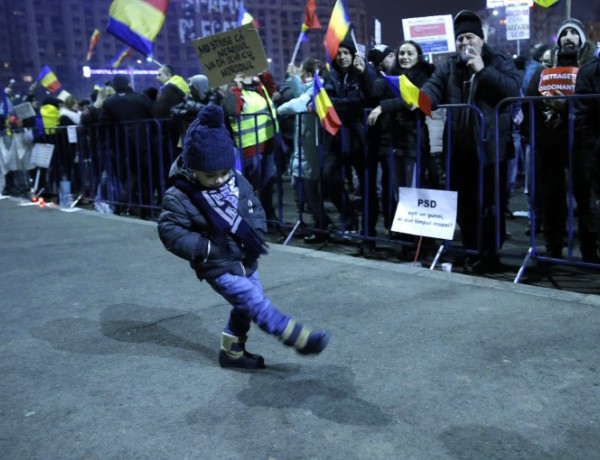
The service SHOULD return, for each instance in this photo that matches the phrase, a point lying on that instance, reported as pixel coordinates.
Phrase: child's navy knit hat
(207, 145)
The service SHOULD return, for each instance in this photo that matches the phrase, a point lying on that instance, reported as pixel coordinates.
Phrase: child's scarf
(220, 206)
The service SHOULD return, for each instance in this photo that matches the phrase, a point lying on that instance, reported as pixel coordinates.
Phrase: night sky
(391, 12)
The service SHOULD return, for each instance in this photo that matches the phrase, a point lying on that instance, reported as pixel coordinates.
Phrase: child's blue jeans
(245, 294)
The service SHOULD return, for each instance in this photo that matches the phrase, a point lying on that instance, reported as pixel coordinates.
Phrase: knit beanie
(467, 22)
(348, 43)
(538, 50)
(574, 24)
(378, 53)
(207, 145)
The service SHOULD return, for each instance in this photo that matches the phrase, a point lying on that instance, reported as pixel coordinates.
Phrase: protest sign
(558, 79)
(435, 34)
(226, 54)
(517, 22)
(41, 155)
(24, 111)
(426, 212)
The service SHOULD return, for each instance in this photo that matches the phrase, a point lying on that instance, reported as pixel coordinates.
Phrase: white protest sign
(226, 54)
(377, 31)
(41, 155)
(24, 111)
(435, 34)
(72, 134)
(517, 22)
(426, 212)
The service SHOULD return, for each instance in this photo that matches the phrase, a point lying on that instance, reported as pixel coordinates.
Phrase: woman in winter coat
(305, 164)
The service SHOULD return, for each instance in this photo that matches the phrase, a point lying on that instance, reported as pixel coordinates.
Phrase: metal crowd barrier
(123, 168)
(533, 253)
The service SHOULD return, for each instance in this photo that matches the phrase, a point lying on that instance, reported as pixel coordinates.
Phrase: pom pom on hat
(207, 145)
(467, 22)
(378, 53)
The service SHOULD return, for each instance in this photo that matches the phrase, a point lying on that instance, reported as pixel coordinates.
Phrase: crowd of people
(383, 144)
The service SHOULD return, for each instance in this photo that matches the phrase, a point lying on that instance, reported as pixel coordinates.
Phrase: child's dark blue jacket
(186, 232)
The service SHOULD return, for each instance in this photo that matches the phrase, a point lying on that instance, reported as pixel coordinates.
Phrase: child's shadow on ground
(171, 333)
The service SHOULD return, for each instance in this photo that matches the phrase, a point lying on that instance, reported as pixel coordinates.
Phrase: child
(212, 218)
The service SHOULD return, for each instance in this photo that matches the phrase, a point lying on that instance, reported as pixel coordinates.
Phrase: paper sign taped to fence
(72, 134)
(558, 79)
(41, 155)
(426, 212)
(226, 54)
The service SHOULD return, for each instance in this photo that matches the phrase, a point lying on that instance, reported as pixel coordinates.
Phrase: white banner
(517, 22)
(426, 212)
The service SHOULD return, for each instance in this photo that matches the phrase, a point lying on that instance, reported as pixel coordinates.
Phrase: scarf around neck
(220, 206)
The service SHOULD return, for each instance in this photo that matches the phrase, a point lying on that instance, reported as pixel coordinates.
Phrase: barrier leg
(523, 264)
(437, 256)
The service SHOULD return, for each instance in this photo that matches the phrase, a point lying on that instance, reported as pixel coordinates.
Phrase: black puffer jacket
(186, 232)
(498, 80)
(587, 111)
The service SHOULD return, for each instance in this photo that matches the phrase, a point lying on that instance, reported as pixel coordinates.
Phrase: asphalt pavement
(109, 349)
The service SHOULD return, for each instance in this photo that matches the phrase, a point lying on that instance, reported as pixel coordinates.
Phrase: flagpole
(296, 48)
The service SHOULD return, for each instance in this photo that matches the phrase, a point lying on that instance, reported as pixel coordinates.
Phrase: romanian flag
(329, 118)
(311, 21)
(48, 79)
(402, 87)
(339, 24)
(93, 40)
(137, 22)
(244, 17)
(545, 3)
(118, 60)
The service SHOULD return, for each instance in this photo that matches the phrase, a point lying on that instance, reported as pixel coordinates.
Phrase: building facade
(34, 33)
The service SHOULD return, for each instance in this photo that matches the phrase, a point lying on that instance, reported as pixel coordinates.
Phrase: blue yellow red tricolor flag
(93, 40)
(311, 21)
(48, 79)
(545, 3)
(338, 27)
(137, 22)
(123, 54)
(329, 118)
(244, 17)
(402, 87)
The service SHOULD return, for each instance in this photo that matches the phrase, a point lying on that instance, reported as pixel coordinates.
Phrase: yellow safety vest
(50, 118)
(255, 130)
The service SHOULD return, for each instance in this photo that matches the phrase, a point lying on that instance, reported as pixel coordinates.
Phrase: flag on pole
(118, 60)
(244, 17)
(329, 118)
(137, 22)
(403, 88)
(311, 21)
(545, 3)
(48, 79)
(93, 40)
(338, 27)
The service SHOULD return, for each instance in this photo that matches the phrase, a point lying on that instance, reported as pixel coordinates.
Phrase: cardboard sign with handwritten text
(226, 54)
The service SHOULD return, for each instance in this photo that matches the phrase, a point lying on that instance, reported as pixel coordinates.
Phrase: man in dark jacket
(479, 76)
(173, 90)
(346, 151)
(135, 139)
(587, 123)
(552, 152)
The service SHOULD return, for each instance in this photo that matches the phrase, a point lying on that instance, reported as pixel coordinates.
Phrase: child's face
(212, 179)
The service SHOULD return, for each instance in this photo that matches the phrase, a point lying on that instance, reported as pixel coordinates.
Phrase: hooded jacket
(186, 232)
